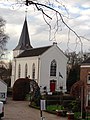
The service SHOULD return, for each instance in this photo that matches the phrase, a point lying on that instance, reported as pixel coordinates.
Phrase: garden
(61, 105)
(58, 103)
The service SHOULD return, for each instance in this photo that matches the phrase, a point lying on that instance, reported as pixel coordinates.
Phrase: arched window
(19, 71)
(33, 71)
(53, 68)
(26, 70)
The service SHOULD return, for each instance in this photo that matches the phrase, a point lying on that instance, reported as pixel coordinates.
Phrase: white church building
(43, 64)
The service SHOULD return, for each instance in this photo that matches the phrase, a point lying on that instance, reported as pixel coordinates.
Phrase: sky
(76, 13)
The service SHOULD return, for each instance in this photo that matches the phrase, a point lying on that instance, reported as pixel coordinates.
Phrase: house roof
(33, 52)
(24, 41)
(87, 61)
(3, 82)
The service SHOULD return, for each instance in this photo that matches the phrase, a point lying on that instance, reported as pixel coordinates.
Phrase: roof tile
(33, 52)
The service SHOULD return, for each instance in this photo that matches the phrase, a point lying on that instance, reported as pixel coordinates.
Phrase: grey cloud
(38, 28)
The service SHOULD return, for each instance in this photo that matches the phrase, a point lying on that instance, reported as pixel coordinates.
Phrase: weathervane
(26, 12)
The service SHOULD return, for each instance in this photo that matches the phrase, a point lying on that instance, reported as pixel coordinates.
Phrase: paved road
(19, 110)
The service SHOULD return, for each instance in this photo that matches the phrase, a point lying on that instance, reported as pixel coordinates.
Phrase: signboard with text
(43, 104)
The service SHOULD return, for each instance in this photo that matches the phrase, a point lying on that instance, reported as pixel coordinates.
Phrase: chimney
(54, 43)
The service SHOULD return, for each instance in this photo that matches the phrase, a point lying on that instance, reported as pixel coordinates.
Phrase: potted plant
(61, 112)
(70, 115)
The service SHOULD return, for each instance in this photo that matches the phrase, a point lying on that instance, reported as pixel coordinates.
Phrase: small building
(3, 91)
(85, 78)
(44, 64)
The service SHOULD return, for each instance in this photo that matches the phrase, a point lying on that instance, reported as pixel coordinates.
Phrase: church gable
(55, 51)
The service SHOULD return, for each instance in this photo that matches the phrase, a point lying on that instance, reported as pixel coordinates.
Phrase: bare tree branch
(39, 5)
(49, 5)
(3, 36)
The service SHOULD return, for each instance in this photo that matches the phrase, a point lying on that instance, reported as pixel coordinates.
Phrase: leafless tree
(76, 89)
(3, 36)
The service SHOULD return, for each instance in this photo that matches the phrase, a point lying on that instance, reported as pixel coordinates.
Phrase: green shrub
(54, 107)
(27, 97)
(74, 106)
(77, 115)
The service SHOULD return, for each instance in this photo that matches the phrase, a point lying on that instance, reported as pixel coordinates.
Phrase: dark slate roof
(33, 52)
(24, 41)
(87, 61)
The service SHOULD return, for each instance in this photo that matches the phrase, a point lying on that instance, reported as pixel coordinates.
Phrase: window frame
(88, 79)
(33, 71)
(26, 70)
(19, 71)
(53, 68)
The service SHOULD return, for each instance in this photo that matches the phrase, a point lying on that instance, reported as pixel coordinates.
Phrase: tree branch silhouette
(39, 8)
(59, 19)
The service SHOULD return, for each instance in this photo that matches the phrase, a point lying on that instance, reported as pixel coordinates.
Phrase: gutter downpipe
(15, 70)
(38, 70)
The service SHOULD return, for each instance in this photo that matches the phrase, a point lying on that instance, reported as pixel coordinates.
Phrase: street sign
(43, 104)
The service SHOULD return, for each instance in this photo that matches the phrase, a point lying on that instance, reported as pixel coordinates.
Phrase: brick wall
(83, 76)
(83, 73)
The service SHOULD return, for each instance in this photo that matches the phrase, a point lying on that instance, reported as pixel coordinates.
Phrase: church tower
(24, 41)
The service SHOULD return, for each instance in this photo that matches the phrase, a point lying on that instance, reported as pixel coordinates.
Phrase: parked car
(1, 109)
(3, 91)
(3, 97)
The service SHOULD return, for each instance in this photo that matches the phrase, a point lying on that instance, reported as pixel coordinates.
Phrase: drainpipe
(15, 71)
(38, 75)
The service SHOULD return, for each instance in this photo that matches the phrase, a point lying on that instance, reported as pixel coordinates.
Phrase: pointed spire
(24, 41)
